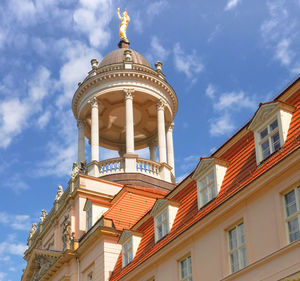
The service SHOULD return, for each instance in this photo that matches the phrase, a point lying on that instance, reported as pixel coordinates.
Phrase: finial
(94, 63)
(123, 26)
(158, 66)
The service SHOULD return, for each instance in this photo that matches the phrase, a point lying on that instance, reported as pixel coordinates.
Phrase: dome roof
(117, 56)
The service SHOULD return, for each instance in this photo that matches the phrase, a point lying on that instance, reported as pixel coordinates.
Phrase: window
(292, 210)
(270, 125)
(269, 139)
(207, 189)
(161, 224)
(127, 252)
(237, 248)
(89, 217)
(185, 270)
(209, 174)
(90, 277)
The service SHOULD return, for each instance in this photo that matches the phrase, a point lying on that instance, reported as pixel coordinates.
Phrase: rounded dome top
(117, 56)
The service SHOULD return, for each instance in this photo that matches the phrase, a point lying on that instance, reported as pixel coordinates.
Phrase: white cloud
(77, 56)
(280, 34)
(158, 50)
(44, 119)
(232, 4)
(210, 91)
(189, 64)
(13, 118)
(11, 247)
(2, 276)
(15, 113)
(93, 18)
(137, 22)
(283, 52)
(214, 33)
(62, 149)
(16, 222)
(234, 101)
(155, 8)
(221, 126)
(189, 162)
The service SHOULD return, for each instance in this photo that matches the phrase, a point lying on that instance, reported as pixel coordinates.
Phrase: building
(235, 217)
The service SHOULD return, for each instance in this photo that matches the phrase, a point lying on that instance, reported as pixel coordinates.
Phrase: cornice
(115, 73)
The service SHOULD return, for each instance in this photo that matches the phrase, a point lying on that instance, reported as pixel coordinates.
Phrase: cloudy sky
(222, 58)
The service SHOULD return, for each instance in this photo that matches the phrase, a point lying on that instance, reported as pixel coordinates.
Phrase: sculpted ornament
(33, 230)
(43, 215)
(93, 102)
(67, 235)
(43, 264)
(124, 23)
(59, 193)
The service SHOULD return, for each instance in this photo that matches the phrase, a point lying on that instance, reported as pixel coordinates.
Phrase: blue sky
(221, 57)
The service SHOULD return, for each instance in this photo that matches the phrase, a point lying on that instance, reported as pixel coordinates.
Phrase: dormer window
(127, 252)
(94, 209)
(270, 139)
(270, 126)
(161, 224)
(130, 241)
(207, 189)
(164, 213)
(209, 175)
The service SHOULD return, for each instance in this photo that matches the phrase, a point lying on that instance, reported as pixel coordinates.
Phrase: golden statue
(123, 25)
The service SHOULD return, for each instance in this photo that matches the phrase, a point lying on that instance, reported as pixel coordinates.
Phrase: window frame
(189, 276)
(129, 251)
(268, 137)
(241, 264)
(209, 187)
(89, 215)
(166, 221)
(287, 218)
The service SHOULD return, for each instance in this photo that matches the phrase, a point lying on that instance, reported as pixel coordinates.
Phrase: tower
(125, 105)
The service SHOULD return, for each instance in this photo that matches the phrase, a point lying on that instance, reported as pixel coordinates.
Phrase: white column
(170, 148)
(81, 142)
(129, 127)
(94, 169)
(161, 131)
(152, 149)
(94, 129)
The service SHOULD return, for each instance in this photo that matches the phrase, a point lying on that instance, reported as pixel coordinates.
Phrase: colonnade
(165, 135)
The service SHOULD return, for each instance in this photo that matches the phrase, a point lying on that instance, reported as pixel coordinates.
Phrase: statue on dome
(123, 25)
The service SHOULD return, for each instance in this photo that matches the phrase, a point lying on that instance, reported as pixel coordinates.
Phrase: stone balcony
(132, 164)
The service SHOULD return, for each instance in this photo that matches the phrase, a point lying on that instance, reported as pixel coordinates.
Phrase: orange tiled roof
(241, 171)
(130, 207)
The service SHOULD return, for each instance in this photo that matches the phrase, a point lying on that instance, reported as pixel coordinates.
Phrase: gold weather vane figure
(123, 25)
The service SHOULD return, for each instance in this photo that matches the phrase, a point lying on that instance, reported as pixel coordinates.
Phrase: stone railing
(111, 166)
(148, 167)
(117, 165)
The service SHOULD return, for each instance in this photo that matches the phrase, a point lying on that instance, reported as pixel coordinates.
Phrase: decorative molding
(80, 124)
(128, 93)
(93, 102)
(160, 105)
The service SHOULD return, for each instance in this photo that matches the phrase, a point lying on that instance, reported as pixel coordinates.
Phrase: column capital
(128, 93)
(160, 105)
(80, 123)
(93, 102)
(171, 126)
